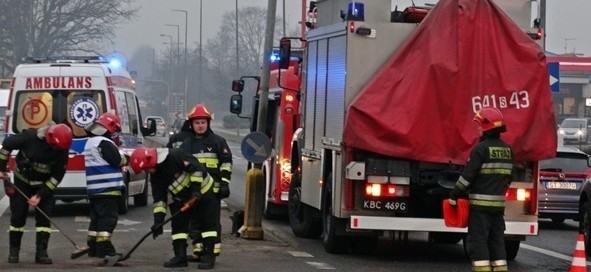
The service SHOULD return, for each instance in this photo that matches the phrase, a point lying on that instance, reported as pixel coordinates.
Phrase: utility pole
(255, 189)
(237, 58)
(199, 93)
(185, 58)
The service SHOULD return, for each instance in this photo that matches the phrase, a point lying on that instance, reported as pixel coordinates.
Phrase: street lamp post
(237, 58)
(178, 40)
(185, 57)
(171, 70)
(200, 51)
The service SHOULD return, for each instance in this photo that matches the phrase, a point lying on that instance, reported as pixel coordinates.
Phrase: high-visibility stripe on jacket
(487, 175)
(101, 178)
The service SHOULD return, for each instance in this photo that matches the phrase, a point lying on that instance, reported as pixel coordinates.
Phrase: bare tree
(42, 28)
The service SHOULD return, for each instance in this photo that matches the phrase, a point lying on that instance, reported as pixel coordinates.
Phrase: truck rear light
(387, 190)
(517, 194)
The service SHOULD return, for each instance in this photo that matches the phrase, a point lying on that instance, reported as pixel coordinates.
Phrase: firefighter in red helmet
(213, 152)
(177, 176)
(40, 166)
(104, 183)
(485, 179)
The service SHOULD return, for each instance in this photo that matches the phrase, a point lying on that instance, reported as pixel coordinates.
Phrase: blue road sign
(256, 147)
(554, 75)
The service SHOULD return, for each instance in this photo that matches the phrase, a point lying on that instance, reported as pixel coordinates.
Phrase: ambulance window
(32, 110)
(84, 107)
(127, 112)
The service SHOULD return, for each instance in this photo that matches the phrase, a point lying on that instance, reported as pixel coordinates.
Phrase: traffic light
(236, 104)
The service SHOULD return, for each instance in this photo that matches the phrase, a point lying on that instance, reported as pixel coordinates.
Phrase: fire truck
(282, 120)
(386, 110)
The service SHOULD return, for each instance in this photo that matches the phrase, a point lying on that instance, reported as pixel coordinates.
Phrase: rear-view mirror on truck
(236, 104)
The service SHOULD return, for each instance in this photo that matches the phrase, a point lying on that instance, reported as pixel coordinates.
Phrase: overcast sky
(568, 22)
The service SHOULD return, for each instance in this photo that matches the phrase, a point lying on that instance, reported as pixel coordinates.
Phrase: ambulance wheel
(124, 202)
(333, 243)
(511, 249)
(141, 199)
(301, 216)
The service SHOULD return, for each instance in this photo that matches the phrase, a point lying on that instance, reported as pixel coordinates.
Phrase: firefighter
(177, 174)
(177, 139)
(485, 178)
(40, 166)
(104, 183)
(212, 151)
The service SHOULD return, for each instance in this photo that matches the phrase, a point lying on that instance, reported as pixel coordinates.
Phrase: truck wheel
(301, 216)
(141, 199)
(511, 249)
(585, 225)
(333, 243)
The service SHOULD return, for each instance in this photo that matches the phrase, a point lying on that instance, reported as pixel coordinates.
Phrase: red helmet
(59, 135)
(143, 158)
(110, 121)
(489, 118)
(199, 111)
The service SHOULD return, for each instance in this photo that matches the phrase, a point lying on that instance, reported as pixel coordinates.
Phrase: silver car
(561, 180)
(575, 130)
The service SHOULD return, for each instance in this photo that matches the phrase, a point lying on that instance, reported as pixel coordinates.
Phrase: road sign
(256, 147)
(554, 75)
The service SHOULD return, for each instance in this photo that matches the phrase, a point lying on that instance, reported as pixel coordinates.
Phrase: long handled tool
(80, 250)
(111, 260)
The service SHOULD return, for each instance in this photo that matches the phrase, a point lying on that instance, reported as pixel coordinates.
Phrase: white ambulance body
(76, 92)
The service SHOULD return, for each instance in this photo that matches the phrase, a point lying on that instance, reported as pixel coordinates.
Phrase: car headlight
(561, 131)
(580, 132)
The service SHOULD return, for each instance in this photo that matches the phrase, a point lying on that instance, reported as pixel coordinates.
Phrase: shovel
(111, 260)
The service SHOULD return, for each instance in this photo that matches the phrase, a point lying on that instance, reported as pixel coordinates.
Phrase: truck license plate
(399, 205)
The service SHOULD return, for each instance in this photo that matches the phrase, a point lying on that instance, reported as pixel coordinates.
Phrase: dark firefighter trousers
(104, 213)
(180, 223)
(485, 240)
(205, 217)
(19, 208)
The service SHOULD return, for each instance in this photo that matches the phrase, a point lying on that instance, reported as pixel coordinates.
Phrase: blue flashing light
(274, 57)
(356, 11)
(115, 62)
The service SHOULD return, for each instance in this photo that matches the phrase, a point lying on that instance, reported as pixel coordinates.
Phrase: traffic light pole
(255, 189)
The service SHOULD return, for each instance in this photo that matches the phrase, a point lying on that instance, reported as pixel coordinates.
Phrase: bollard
(253, 211)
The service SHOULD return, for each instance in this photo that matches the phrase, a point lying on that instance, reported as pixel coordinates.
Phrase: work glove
(157, 228)
(224, 191)
(9, 188)
(452, 202)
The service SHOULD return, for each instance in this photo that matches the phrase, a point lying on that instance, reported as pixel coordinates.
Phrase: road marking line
(4, 204)
(322, 266)
(548, 252)
(300, 254)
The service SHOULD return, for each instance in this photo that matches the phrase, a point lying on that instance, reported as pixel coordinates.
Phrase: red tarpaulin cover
(465, 54)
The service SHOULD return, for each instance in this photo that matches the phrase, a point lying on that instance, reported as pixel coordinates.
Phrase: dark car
(561, 180)
(177, 125)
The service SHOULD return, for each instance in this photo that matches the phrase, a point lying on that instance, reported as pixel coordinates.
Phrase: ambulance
(76, 91)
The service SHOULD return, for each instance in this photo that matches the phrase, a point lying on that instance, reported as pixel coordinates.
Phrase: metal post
(237, 58)
(171, 71)
(200, 51)
(253, 216)
(185, 57)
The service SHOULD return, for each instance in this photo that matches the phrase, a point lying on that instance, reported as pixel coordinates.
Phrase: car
(575, 130)
(177, 125)
(561, 182)
(161, 127)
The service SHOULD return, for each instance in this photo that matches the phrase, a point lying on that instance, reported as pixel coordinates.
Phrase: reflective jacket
(37, 163)
(181, 176)
(487, 175)
(102, 178)
(212, 151)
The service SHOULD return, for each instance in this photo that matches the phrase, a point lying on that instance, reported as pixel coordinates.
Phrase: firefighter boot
(42, 240)
(91, 243)
(208, 257)
(197, 252)
(104, 248)
(180, 254)
(15, 245)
